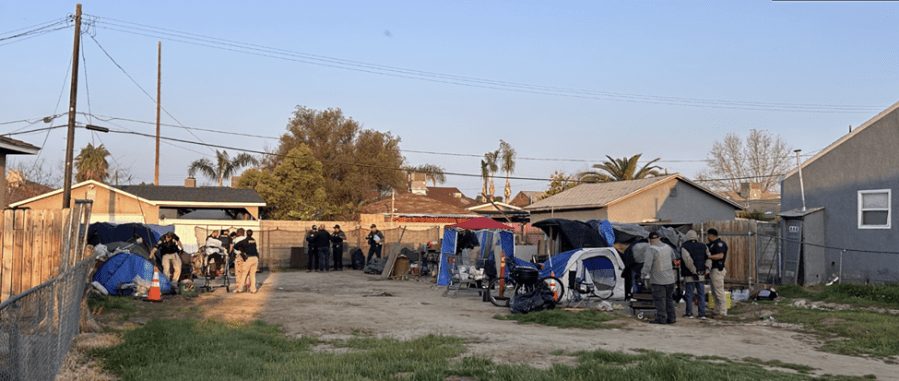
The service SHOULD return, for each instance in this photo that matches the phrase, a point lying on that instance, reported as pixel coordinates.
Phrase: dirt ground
(339, 304)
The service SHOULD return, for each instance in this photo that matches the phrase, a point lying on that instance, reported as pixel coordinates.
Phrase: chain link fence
(37, 326)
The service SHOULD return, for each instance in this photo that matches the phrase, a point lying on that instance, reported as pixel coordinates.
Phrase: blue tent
(123, 267)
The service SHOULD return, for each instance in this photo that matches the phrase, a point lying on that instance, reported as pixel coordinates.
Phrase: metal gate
(792, 251)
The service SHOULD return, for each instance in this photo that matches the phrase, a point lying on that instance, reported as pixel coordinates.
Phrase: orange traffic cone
(155, 294)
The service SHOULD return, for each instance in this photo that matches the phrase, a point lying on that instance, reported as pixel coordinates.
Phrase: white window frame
(889, 209)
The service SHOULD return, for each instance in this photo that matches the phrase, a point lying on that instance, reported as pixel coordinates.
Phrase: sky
(564, 82)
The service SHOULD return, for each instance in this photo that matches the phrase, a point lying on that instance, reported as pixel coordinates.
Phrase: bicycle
(519, 281)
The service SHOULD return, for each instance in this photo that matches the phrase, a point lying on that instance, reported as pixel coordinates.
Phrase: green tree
(224, 165)
(91, 164)
(559, 182)
(357, 163)
(507, 161)
(492, 160)
(620, 170)
(485, 175)
(294, 190)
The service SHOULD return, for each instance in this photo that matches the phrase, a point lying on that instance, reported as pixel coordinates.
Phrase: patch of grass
(850, 332)
(588, 319)
(223, 351)
(109, 303)
(804, 369)
(886, 296)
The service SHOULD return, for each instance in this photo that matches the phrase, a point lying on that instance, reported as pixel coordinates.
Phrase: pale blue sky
(754, 51)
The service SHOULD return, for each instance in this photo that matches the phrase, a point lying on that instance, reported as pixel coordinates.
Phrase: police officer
(718, 254)
(322, 242)
(337, 238)
(311, 250)
(375, 240)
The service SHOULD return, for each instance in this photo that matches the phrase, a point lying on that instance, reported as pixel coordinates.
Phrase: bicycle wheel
(555, 285)
(500, 291)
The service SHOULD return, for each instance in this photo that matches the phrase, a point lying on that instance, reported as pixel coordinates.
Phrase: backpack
(357, 259)
(541, 298)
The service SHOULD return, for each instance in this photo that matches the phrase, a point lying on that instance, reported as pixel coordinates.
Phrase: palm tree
(485, 175)
(492, 158)
(619, 170)
(91, 164)
(508, 165)
(224, 166)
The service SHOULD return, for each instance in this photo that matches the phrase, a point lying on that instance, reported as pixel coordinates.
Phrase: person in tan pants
(250, 254)
(718, 254)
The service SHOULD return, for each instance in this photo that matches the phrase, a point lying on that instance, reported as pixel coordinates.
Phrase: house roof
(10, 146)
(407, 203)
(600, 195)
(173, 195)
(846, 137)
(489, 207)
(446, 195)
(170, 195)
(532, 194)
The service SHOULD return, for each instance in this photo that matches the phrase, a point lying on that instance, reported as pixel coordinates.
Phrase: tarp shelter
(492, 240)
(107, 233)
(573, 234)
(629, 233)
(123, 267)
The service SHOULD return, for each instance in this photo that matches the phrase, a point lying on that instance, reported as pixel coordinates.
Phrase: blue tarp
(123, 267)
(485, 237)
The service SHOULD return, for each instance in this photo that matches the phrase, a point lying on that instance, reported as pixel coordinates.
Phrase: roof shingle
(193, 194)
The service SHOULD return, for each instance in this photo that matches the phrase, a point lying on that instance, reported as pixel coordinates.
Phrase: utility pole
(158, 106)
(73, 97)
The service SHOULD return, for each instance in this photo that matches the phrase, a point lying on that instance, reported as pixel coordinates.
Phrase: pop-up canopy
(480, 223)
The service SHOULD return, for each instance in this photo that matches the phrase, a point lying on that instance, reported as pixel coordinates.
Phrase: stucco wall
(690, 205)
(865, 161)
(106, 202)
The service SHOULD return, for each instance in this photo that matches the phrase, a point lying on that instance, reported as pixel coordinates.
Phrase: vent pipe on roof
(801, 185)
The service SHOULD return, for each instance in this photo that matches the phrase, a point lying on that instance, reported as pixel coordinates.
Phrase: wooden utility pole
(158, 106)
(73, 97)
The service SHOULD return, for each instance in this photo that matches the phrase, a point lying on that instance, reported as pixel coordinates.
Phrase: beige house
(186, 207)
(670, 199)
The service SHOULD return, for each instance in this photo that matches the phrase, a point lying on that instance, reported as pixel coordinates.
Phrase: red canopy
(481, 223)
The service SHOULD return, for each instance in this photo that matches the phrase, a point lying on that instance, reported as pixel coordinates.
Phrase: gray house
(847, 215)
(670, 199)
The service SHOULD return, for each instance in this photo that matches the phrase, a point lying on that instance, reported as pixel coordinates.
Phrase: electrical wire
(36, 32)
(141, 87)
(260, 50)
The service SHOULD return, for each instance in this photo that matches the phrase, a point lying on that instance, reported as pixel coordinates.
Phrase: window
(874, 209)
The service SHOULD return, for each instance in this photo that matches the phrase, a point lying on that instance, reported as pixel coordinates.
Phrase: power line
(141, 87)
(260, 50)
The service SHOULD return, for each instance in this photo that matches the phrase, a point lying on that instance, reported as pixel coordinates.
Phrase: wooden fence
(36, 245)
(743, 245)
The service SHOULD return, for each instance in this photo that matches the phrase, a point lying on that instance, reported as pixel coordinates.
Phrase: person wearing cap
(696, 266)
(718, 254)
(375, 240)
(337, 238)
(322, 242)
(311, 250)
(658, 271)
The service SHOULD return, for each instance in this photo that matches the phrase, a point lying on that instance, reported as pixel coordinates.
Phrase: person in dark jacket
(375, 240)
(718, 254)
(250, 255)
(337, 238)
(322, 242)
(696, 264)
(311, 250)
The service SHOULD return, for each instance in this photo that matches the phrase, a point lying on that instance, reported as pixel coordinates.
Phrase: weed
(861, 332)
(106, 302)
(854, 294)
(780, 364)
(588, 319)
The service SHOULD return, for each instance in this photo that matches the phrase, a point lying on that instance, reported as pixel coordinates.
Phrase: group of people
(699, 260)
(320, 245)
(239, 245)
